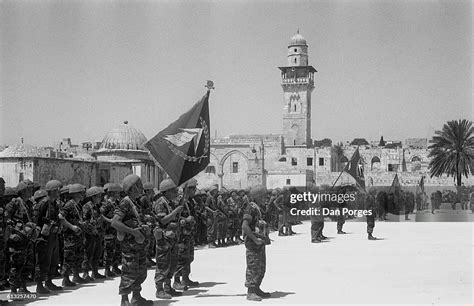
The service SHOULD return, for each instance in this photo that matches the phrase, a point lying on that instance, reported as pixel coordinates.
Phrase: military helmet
(113, 187)
(39, 194)
(129, 181)
(94, 191)
(167, 184)
(148, 186)
(53, 185)
(76, 188)
(10, 191)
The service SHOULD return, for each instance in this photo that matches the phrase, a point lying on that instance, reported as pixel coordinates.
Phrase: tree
(452, 150)
(359, 142)
(338, 149)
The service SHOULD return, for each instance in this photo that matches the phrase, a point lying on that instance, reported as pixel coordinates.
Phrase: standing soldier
(132, 234)
(94, 233)
(222, 218)
(2, 233)
(211, 212)
(146, 203)
(254, 244)
(341, 219)
(112, 256)
(167, 236)
(370, 205)
(46, 217)
(71, 217)
(22, 232)
(186, 239)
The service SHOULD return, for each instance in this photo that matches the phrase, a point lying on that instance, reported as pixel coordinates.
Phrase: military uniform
(167, 236)
(146, 208)
(73, 242)
(255, 254)
(46, 216)
(211, 223)
(94, 236)
(370, 205)
(21, 236)
(112, 254)
(134, 269)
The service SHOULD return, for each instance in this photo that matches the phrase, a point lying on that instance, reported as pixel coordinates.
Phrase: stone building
(292, 159)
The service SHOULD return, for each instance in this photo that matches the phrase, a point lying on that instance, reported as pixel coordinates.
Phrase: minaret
(297, 81)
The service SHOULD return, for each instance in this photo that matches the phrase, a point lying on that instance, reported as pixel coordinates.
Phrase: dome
(21, 150)
(124, 137)
(297, 40)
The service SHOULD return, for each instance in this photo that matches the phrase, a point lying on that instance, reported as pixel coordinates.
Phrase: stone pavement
(413, 263)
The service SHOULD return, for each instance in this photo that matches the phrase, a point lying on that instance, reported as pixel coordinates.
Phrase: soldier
(211, 212)
(146, 204)
(2, 233)
(112, 256)
(71, 217)
(381, 201)
(21, 231)
(186, 239)
(133, 234)
(317, 220)
(370, 205)
(167, 236)
(341, 219)
(46, 217)
(94, 233)
(255, 245)
(200, 233)
(222, 218)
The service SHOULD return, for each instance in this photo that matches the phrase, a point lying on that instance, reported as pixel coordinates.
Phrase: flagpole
(338, 177)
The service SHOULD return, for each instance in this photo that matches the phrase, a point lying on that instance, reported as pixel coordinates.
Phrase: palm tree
(452, 150)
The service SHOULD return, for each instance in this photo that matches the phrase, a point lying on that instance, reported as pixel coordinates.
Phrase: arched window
(375, 163)
(294, 108)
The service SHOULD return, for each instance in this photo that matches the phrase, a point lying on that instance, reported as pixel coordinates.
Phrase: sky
(77, 69)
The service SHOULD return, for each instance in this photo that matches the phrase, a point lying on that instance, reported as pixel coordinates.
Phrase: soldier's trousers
(370, 224)
(166, 262)
(185, 256)
(283, 221)
(256, 264)
(133, 265)
(47, 257)
(112, 254)
(340, 220)
(222, 229)
(21, 262)
(93, 250)
(3, 259)
(73, 254)
(316, 229)
(211, 229)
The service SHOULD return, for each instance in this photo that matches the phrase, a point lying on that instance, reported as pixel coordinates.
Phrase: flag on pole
(422, 184)
(355, 169)
(182, 149)
(395, 183)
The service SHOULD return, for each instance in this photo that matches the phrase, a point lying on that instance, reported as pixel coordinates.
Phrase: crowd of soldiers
(71, 231)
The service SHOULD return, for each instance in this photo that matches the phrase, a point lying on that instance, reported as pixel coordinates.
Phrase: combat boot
(370, 237)
(40, 289)
(341, 232)
(77, 279)
(186, 281)
(109, 273)
(138, 300)
(97, 275)
(262, 294)
(49, 284)
(170, 290)
(252, 296)
(161, 294)
(67, 282)
(212, 245)
(179, 286)
(316, 240)
(87, 278)
(24, 290)
(116, 270)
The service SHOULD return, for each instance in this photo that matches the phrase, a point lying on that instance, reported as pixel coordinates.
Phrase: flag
(182, 149)
(355, 169)
(395, 184)
(422, 184)
(404, 163)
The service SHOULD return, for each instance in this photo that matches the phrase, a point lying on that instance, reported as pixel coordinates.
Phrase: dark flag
(182, 149)
(422, 184)
(395, 184)
(355, 169)
(404, 163)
